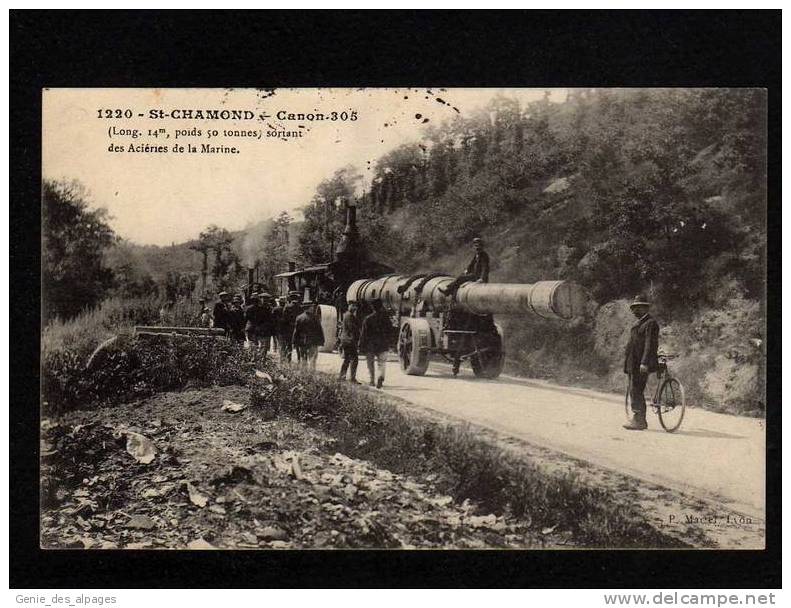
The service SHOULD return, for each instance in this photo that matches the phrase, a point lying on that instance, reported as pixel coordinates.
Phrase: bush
(131, 368)
(74, 239)
(128, 368)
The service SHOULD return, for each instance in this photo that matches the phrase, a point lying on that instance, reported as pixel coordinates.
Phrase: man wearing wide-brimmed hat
(640, 360)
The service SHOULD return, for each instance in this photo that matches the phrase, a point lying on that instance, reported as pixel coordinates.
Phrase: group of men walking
(265, 323)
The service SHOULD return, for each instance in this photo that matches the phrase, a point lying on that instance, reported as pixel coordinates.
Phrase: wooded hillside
(622, 190)
(625, 191)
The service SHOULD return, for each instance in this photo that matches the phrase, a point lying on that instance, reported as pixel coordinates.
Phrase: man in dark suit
(477, 270)
(350, 334)
(236, 318)
(257, 318)
(308, 335)
(286, 326)
(640, 360)
(221, 313)
(376, 335)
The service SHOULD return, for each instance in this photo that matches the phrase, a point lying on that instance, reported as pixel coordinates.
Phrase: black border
(432, 48)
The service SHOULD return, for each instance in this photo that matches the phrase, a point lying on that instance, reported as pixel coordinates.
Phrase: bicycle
(669, 401)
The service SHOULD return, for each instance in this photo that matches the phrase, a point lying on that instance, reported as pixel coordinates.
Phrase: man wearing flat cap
(477, 270)
(266, 328)
(255, 321)
(236, 318)
(285, 329)
(374, 341)
(308, 335)
(220, 313)
(640, 360)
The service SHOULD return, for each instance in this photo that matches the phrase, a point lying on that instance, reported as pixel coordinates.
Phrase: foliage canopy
(74, 239)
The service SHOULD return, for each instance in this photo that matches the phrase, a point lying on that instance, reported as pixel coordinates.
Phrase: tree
(324, 215)
(218, 240)
(132, 276)
(74, 240)
(130, 282)
(202, 247)
(397, 177)
(274, 253)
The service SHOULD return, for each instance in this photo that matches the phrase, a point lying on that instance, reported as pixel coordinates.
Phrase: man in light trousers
(375, 337)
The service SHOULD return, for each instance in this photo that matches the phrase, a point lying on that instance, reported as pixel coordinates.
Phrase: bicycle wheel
(671, 404)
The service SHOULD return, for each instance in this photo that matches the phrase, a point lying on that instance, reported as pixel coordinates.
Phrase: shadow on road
(709, 434)
(584, 392)
(699, 433)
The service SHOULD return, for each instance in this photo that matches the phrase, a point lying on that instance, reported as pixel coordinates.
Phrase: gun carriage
(461, 327)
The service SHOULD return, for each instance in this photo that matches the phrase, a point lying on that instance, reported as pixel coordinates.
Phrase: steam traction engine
(461, 328)
(327, 283)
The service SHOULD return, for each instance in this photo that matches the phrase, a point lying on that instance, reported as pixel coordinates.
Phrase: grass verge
(466, 467)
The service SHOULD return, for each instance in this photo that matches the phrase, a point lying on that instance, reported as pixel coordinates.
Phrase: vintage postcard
(403, 318)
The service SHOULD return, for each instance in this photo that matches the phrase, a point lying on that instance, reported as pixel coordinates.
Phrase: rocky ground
(201, 469)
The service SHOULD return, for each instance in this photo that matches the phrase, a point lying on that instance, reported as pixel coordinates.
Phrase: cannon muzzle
(549, 299)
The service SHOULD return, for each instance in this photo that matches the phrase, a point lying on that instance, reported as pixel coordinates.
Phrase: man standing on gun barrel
(308, 335)
(640, 360)
(350, 334)
(375, 337)
(477, 270)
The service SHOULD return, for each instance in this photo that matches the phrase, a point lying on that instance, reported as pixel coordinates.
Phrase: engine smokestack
(349, 246)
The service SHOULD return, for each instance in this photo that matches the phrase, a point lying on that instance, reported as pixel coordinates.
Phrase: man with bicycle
(641, 359)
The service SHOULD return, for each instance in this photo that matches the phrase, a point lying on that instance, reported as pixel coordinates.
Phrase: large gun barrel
(549, 299)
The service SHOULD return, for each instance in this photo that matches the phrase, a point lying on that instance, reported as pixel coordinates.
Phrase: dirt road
(713, 456)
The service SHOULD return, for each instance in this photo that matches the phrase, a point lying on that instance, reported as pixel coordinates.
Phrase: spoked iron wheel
(671, 405)
(489, 363)
(405, 344)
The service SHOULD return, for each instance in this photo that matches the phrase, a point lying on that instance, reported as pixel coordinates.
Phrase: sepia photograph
(403, 318)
